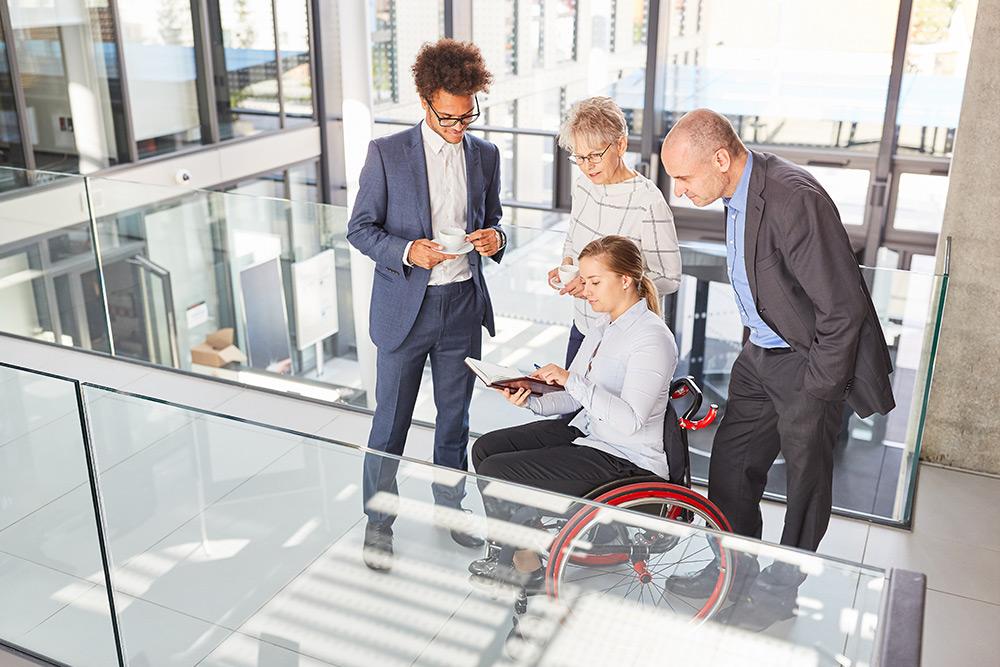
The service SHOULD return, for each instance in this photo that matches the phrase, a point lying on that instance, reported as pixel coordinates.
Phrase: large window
(67, 56)
(398, 29)
(296, 66)
(11, 151)
(937, 54)
(789, 72)
(266, 59)
(547, 55)
(160, 65)
(249, 103)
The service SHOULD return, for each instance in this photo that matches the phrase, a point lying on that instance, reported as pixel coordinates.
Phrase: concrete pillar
(962, 428)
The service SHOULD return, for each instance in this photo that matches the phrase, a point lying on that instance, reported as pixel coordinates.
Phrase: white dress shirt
(447, 184)
(621, 378)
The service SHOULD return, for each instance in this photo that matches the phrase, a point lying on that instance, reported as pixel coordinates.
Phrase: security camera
(182, 176)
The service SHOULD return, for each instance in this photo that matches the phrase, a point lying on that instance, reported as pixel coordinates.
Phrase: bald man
(814, 342)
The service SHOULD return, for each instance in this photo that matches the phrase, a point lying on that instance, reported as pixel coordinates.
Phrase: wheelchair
(624, 559)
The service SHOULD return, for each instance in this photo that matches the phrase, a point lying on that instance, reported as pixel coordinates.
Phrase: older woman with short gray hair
(611, 198)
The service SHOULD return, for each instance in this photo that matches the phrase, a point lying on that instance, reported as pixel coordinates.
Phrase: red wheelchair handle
(703, 422)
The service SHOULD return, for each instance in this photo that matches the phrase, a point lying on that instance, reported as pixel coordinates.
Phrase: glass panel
(848, 188)
(217, 523)
(266, 185)
(547, 55)
(791, 72)
(296, 70)
(47, 264)
(399, 29)
(53, 594)
(937, 56)
(67, 58)
(11, 150)
(210, 244)
(248, 99)
(885, 448)
(178, 489)
(920, 203)
(531, 181)
(385, 66)
(162, 81)
(304, 183)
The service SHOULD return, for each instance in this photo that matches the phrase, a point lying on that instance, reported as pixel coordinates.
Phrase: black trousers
(542, 454)
(768, 411)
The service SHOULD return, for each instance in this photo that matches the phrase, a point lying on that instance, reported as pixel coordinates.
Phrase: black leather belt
(777, 350)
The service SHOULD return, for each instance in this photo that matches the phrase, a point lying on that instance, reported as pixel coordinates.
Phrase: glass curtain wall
(265, 56)
(11, 147)
(548, 54)
(106, 83)
(248, 102)
(158, 42)
(808, 80)
(296, 68)
(67, 55)
(937, 56)
(793, 72)
(398, 29)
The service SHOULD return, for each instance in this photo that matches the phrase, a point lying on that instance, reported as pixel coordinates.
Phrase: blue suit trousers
(448, 328)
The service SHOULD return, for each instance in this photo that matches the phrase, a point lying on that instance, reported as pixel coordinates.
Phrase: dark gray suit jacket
(393, 207)
(808, 288)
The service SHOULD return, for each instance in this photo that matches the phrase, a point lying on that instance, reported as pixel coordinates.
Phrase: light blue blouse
(623, 388)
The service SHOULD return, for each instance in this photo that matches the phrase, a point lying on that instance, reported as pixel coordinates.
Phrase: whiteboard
(314, 290)
(264, 316)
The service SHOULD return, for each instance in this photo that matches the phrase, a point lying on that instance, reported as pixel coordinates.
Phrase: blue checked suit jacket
(393, 208)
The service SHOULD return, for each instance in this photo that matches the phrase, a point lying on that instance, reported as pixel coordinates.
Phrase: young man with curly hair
(426, 301)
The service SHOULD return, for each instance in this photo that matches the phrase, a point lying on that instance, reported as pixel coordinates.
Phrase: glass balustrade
(52, 576)
(234, 543)
(268, 292)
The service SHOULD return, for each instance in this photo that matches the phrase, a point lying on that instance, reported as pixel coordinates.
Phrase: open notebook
(506, 377)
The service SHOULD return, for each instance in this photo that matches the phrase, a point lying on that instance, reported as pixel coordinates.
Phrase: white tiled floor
(173, 537)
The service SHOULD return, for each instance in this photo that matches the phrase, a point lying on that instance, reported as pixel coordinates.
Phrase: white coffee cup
(452, 238)
(567, 272)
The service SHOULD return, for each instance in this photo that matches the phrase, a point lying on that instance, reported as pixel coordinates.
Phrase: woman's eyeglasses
(593, 158)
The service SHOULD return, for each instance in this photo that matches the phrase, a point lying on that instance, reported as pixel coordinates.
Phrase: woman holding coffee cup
(610, 198)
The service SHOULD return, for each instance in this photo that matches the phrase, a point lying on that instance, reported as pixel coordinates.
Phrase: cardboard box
(217, 350)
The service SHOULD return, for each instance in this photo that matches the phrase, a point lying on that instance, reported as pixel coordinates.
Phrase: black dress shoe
(533, 583)
(484, 565)
(467, 540)
(465, 537)
(701, 584)
(757, 613)
(377, 552)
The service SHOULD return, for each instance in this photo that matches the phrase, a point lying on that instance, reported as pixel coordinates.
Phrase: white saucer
(466, 247)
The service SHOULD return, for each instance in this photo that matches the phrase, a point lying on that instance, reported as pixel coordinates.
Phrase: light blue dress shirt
(761, 335)
(621, 378)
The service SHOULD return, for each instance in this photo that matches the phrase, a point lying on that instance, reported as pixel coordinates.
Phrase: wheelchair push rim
(573, 574)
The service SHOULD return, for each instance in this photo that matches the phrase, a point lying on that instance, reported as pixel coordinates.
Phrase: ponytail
(647, 290)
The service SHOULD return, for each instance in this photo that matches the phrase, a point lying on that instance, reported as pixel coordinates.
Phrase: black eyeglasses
(450, 121)
(593, 158)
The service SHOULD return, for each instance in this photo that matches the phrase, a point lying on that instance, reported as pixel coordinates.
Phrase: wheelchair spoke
(629, 564)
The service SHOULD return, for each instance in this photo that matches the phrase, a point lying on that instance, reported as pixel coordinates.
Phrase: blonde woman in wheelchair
(615, 397)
